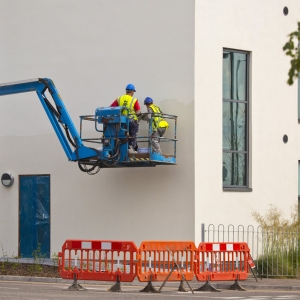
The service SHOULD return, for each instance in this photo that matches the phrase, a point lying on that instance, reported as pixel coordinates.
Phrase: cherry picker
(110, 148)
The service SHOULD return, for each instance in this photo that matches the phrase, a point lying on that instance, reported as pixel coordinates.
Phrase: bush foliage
(280, 243)
(291, 49)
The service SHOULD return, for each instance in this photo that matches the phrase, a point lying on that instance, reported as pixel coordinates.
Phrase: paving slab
(249, 284)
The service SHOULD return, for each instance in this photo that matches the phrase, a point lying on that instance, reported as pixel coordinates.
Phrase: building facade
(218, 65)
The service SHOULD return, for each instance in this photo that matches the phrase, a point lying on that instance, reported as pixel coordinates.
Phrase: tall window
(235, 119)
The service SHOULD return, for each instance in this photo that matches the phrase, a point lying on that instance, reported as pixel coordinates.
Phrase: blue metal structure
(111, 124)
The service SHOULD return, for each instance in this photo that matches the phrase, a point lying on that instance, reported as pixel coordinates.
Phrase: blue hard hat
(148, 100)
(130, 87)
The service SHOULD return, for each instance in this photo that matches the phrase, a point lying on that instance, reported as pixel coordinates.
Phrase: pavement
(249, 284)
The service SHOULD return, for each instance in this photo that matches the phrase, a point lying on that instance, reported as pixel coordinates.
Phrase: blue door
(34, 215)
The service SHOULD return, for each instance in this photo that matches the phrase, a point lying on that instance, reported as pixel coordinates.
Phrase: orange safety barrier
(98, 260)
(222, 261)
(122, 261)
(157, 261)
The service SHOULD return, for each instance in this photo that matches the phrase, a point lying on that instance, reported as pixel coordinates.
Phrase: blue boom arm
(58, 115)
(110, 123)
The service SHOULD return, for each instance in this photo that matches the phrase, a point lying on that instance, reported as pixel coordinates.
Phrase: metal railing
(276, 252)
(144, 140)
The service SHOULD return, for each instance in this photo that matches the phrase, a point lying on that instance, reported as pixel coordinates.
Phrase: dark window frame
(241, 188)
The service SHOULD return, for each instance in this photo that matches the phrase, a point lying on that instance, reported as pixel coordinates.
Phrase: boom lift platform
(110, 148)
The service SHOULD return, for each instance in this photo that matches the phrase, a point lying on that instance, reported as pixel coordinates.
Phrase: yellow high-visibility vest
(129, 102)
(158, 120)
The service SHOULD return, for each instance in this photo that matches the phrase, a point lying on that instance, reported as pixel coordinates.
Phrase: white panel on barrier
(105, 245)
(86, 245)
(229, 247)
(216, 247)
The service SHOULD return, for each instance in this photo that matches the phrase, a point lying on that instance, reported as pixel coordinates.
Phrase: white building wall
(91, 50)
(172, 51)
(261, 28)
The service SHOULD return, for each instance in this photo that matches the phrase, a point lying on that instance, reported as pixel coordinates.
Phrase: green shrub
(280, 243)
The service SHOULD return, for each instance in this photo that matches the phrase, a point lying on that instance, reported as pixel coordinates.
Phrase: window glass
(234, 76)
(226, 75)
(234, 120)
(234, 169)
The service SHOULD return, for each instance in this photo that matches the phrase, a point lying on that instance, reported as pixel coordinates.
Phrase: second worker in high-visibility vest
(133, 110)
(159, 124)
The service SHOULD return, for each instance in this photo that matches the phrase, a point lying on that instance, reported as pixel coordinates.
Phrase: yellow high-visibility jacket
(129, 102)
(158, 120)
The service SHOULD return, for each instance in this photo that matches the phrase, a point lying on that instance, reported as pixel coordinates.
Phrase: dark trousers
(133, 130)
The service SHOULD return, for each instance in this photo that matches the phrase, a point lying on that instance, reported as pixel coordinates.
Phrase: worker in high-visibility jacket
(159, 124)
(133, 111)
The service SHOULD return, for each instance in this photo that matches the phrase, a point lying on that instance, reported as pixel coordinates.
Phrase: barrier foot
(237, 286)
(75, 286)
(149, 288)
(181, 287)
(207, 287)
(116, 287)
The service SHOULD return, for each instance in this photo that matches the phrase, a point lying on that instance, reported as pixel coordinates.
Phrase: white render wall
(91, 50)
(261, 28)
(172, 51)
